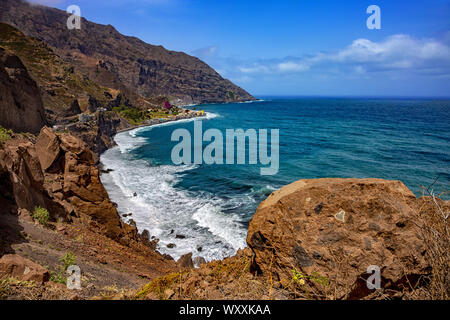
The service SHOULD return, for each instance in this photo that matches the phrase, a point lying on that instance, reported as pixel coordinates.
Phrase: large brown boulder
(15, 266)
(329, 231)
(21, 107)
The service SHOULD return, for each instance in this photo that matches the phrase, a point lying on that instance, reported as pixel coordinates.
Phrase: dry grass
(434, 231)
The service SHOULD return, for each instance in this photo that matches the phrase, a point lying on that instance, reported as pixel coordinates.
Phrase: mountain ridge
(115, 60)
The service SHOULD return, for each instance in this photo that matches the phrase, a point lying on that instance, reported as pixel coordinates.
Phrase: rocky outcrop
(57, 172)
(329, 231)
(99, 133)
(21, 107)
(12, 265)
(185, 261)
(120, 62)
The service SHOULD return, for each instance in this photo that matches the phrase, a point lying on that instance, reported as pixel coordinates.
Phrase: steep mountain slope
(63, 89)
(21, 107)
(114, 60)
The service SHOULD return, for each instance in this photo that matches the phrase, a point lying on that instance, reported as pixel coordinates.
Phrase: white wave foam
(134, 132)
(160, 208)
(128, 141)
(210, 115)
(252, 101)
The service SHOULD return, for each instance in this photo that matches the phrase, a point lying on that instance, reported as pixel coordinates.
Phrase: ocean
(206, 209)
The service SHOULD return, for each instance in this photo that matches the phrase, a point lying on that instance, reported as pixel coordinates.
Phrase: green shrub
(41, 215)
(58, 278)
(68, 260)
(5, 134)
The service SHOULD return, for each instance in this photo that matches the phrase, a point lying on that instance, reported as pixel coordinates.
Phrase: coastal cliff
(120, 62)
(313, 239)
(54, 205)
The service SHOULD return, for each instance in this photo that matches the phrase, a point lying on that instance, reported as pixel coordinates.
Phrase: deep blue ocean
(211, 205)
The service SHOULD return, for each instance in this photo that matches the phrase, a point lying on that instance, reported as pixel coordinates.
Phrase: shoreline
(106, 175)
(157, 121)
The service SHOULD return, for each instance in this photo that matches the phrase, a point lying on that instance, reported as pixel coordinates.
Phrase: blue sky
(297, 47)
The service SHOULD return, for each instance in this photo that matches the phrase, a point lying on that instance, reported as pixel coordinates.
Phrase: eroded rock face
(335, 229)
(21, 107)
(47, 146)
(58, 173)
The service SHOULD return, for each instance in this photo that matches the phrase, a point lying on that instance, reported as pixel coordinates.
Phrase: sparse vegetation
(41, 215)
(137, 116)
(57, 277)
(4, 284)
(132, 114)
(68, 260)
(5, 134)
(159, 285)
(7, 283)
(435, 233)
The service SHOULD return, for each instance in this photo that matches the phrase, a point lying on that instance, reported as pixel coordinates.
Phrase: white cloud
(255, 68)
(290, 66)
(363, 56)
(206, 52)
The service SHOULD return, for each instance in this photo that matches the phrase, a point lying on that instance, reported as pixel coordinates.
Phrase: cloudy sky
(297, 47)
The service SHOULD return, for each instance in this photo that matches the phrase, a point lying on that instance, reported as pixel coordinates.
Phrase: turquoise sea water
(211, 205)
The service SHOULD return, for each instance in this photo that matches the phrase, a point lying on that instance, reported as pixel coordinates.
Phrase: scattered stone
(171, 245)
(180, 236)
(318, 208)
(85, 118)
(75, 297)
(145, 234)
(13, 265)
(132, 223)
(185, 261)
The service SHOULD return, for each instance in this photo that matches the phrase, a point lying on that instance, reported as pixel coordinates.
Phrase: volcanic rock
(332, 230)
(21, 107)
